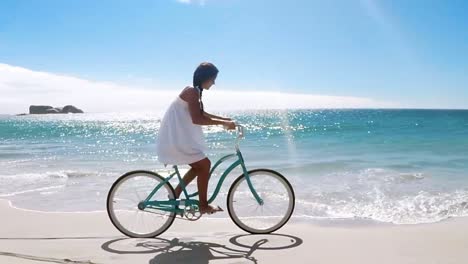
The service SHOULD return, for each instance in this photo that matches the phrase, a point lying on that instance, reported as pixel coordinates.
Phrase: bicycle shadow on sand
(241, 248)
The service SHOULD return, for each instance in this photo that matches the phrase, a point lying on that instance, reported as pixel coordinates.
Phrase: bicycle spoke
(124, 212)
(276, 207)
(144, 220)
(138, 196)
(135, 220)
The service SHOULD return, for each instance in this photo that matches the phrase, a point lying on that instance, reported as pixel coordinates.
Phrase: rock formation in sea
(45, 109)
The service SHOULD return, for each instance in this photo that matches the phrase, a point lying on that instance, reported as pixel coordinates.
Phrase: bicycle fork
(247, 178)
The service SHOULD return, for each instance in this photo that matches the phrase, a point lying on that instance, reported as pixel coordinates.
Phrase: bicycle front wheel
(123, 200)
(278, 202)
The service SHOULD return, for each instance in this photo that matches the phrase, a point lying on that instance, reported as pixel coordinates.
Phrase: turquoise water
(396, 166)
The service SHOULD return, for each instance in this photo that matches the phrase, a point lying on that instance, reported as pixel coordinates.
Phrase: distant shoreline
(278, 109)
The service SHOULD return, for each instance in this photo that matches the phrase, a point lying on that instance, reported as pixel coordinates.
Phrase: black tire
(114, 219)
(286, 217)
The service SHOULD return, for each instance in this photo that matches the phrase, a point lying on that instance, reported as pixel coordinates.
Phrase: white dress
(180, 141)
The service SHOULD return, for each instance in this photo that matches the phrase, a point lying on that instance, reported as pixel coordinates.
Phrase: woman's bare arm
(198, 117)
(216, 117)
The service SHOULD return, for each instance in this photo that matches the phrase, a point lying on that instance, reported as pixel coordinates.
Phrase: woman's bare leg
(188, 177)
(202, 169)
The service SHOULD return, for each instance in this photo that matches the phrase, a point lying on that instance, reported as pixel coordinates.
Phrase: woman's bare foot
(209, 209)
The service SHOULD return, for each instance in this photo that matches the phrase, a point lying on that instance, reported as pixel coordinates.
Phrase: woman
(181, 139)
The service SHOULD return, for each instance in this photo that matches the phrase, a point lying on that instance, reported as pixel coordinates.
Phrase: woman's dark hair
(204, 72)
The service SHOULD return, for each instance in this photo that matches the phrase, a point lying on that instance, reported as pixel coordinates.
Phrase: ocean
(385, 166)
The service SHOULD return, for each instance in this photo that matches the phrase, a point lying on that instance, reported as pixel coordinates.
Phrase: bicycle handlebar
(240, 134)
(240, 130)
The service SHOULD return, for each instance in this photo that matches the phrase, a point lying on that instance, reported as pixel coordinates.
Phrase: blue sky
(411, 53)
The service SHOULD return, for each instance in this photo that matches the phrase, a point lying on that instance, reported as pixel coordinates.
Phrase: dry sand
(41, 237)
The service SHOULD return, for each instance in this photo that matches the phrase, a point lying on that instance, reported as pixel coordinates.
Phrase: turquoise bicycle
(142, 203)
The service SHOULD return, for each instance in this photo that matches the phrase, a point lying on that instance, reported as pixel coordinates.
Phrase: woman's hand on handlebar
(229, 125)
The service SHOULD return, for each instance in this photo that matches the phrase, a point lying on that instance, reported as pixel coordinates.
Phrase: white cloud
(280, 100)
(20, 88)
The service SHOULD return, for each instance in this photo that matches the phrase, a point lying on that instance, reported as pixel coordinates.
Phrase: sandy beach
(344, 123)
(38, 237)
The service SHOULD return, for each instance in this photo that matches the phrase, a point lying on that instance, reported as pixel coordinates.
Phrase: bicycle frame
(172, 205)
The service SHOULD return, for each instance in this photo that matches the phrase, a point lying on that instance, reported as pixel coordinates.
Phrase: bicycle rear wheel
(278, 202)
(123, 199)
